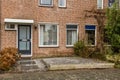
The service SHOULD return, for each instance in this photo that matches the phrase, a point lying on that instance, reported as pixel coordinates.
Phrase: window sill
(45, 6)
(69, 46)
(62, 7)
(107, 45)
(90, 45)
(48, 46)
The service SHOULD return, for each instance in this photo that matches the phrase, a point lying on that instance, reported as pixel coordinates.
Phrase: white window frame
(39, 35)
(11, 29)
(95, 36)
(65, 2)
(66, 33)
(39, 3)
(98, 4)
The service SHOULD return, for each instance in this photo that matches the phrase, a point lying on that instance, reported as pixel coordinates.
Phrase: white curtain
(71, 37)
(99, 4)
(74, 36)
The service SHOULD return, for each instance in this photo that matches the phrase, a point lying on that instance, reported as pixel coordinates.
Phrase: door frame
(17, 34)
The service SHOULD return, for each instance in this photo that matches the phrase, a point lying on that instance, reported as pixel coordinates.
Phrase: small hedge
(81, 50)
(8, 58)
(87, 52)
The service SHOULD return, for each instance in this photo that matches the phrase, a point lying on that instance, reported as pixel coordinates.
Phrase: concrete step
(75, 63)
(30, 65)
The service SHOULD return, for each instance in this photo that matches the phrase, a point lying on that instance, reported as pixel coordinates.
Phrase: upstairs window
(110, 2)
(62, 3)
(46, 2)
(99, 4)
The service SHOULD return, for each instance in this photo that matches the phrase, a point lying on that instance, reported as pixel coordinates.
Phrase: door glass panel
(28, 32)
(22, 46)
(22, 33)
(28, 46)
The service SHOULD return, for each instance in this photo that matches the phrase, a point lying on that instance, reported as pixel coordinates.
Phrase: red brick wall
(29, 9)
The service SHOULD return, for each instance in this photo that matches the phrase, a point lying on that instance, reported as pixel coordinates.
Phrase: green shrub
(81, 50)
(108, 50)
(8, 58)
(97, 55)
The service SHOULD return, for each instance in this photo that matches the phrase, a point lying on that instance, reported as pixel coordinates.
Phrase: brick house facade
(43, 28)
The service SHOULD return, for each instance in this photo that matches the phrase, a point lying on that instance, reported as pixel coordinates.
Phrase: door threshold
(25, 56)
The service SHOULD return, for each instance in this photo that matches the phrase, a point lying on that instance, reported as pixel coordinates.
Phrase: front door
(24, 39)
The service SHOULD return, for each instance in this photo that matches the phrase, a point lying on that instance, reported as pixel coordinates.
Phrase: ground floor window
(90, 35)
(48, 35)
(72, 36)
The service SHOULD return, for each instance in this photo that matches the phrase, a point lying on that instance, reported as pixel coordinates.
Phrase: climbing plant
(113, 27)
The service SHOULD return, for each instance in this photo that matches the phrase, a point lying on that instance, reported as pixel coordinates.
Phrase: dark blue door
(24, 39)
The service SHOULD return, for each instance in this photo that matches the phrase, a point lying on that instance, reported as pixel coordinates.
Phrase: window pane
(62, 3)
(90, 37)
(99, 4)
(46, 2)
(110, 2)
(48, 35)
(71, 34)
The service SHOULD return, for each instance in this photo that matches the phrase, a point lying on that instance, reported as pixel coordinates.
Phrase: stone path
(83, 74)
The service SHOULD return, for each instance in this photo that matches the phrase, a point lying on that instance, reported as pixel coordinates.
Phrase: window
(10, 26)
(90, 35)
(72, 36)
(48, 35)
(62, 3)
(99, 4)
(110, 2)
(46, 2)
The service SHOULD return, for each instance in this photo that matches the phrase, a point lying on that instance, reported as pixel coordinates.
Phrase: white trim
(95, 36)
(39, 35)
(8, 20)
(98, 4)
(32, 39)
(77, 33)
(17, 36)
(69, 46)
(26, 55)
(10, 29)
(64, 5)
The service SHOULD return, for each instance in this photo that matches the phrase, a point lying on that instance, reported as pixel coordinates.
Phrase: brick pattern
(29, 9)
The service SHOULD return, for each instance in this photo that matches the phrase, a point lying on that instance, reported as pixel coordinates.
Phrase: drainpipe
(0, 21)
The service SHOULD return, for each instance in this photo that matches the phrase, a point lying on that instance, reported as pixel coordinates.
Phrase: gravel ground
(83, 74)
